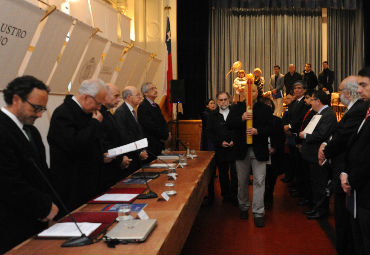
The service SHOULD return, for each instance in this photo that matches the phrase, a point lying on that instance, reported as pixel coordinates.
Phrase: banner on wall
(125, 28)
(89, 62)
(72, 53)
(18, 23)
(105, 18)
(110, 62)
(152, 69)
(49, 44)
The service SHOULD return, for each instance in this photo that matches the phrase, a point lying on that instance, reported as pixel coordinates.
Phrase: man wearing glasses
(76, 154)
(26, 202)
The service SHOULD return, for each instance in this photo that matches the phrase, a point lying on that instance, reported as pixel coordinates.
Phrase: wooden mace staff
(249, 104)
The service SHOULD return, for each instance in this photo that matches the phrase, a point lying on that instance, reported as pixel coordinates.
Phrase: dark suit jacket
(326, 79)
(205, 141)
(262, 121)
(130, 131)
(76, 154)
(357, 164)
(326, 126)
(24, 196)
(218, 131)
(310, 79)
(295, 114)
(289, 81)
(154, 126)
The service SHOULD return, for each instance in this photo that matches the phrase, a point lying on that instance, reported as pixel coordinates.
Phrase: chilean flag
(169, 67)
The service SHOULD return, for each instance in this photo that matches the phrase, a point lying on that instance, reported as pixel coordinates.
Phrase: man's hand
(272, 151)
(273, 91)
(125, 162)
(302, 134)
(107, 159)
(252, 131)
(97, 115)
(247, 116)
(226, 144)
(53, 212)
(321, 155)
(344, 183)
(286, 128)
(143, 155)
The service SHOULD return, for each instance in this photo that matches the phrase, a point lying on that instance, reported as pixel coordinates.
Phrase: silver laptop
(131, 231)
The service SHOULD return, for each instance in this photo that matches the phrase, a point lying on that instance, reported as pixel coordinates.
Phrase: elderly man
(151, 119)
(335, 150)
(76, 155)
(355, 178)
(26, 202)
(129, 127)
(114, 169)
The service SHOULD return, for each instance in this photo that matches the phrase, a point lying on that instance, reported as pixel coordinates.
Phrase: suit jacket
(262, 121)
(76, 154)
(357, 164)
(326, 126)
(279, 85)
(130, 131)
(310, 79)
(205, 141)
(336, 147)
(24, 196)
(326, 79)
(295, 114)
(289, 81)
(306, 119)
(154, 126)
(218, 131)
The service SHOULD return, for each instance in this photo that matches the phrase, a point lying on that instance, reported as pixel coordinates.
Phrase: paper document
(116, 197)
(169, 157)
(69, 229)
(312, 124)
(140, 144)
(162, 165)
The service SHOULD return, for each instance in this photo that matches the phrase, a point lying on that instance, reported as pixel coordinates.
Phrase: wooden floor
(218, 229)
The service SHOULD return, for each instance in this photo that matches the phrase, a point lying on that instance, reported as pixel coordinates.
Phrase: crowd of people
(81, 131)
(319, 156)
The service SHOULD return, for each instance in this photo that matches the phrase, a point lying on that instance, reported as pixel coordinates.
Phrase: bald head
(113, 96)
(348, 88)
(132, 96)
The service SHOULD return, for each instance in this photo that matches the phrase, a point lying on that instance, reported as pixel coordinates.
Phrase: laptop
(131, 231)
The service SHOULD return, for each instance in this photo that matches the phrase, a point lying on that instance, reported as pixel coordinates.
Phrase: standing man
(276, 87)
(326, 78)
(309, 77)
(76, 154)
(151, 119)
(255, 155)
(290, 78)
(335, 149)
(222, 138)
(355, 178)
(26, 201)
(319, 175)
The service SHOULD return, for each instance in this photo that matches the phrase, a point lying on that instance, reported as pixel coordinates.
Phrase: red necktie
(368, 113)
(307, 113)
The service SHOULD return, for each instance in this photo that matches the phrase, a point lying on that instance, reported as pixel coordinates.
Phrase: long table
(175, 217)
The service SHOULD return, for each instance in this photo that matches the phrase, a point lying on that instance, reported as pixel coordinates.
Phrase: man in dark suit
(355, 177)
(290, 78)
(128, 124)
(255, 155)
(114, 169)
(326, 79)
(222, 138)
(335, 150)
(26, 201)
(309, 77)
(76, 154)
(319, 175)
(151, 120)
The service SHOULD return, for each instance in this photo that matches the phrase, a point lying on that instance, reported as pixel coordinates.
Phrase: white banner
(125, 28)
(49, 45)
(105, 18)
(90, 62)
(152, 69)
(71, 56)
(81, 11)
(111, 61)
(18, 23)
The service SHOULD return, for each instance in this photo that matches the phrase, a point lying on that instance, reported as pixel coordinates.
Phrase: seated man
(76, 155)
(26, 201)
(151, 120)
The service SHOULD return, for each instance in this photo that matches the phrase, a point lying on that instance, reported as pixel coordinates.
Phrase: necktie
(307, 113)
(134, 113)
(154, 105)
(31, 140)
(367, 113)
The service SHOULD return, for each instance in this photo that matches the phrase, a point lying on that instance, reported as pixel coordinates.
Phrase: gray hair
(126, 92)
(351, 86)
(91, 87)
(145, 87)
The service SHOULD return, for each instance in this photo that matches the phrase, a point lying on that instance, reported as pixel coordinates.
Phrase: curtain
(345, 43)
(261, 38)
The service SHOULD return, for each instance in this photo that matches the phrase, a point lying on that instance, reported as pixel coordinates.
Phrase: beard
(344, 100)
(224, 107)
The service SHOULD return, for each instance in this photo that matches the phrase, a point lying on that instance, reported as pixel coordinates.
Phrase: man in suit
(26, 201)
(326, 79)
(309, 77)
(255, 155)
(290, 78)
(335, 150)
(151, 120)
(129, 128)
(355, 177)
(222, 138)
(76, 154)
(114, 169)
(276, 86)
(319, 175)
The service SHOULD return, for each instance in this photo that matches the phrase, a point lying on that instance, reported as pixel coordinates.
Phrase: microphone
(149, 193)
(74, 241)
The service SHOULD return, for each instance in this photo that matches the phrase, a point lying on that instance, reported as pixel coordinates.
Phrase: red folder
(119, 191)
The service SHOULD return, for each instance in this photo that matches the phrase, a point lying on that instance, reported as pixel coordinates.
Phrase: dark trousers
(228, 179)
(289, 165)
(360, 228)
(305, 184)
(272, 172)
(319, 180)
(343, 229)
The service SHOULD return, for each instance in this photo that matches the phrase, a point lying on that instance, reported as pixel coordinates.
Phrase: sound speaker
(177, 91)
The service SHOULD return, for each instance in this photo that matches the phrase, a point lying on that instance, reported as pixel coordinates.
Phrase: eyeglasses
(37, 108)
(96, 102)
